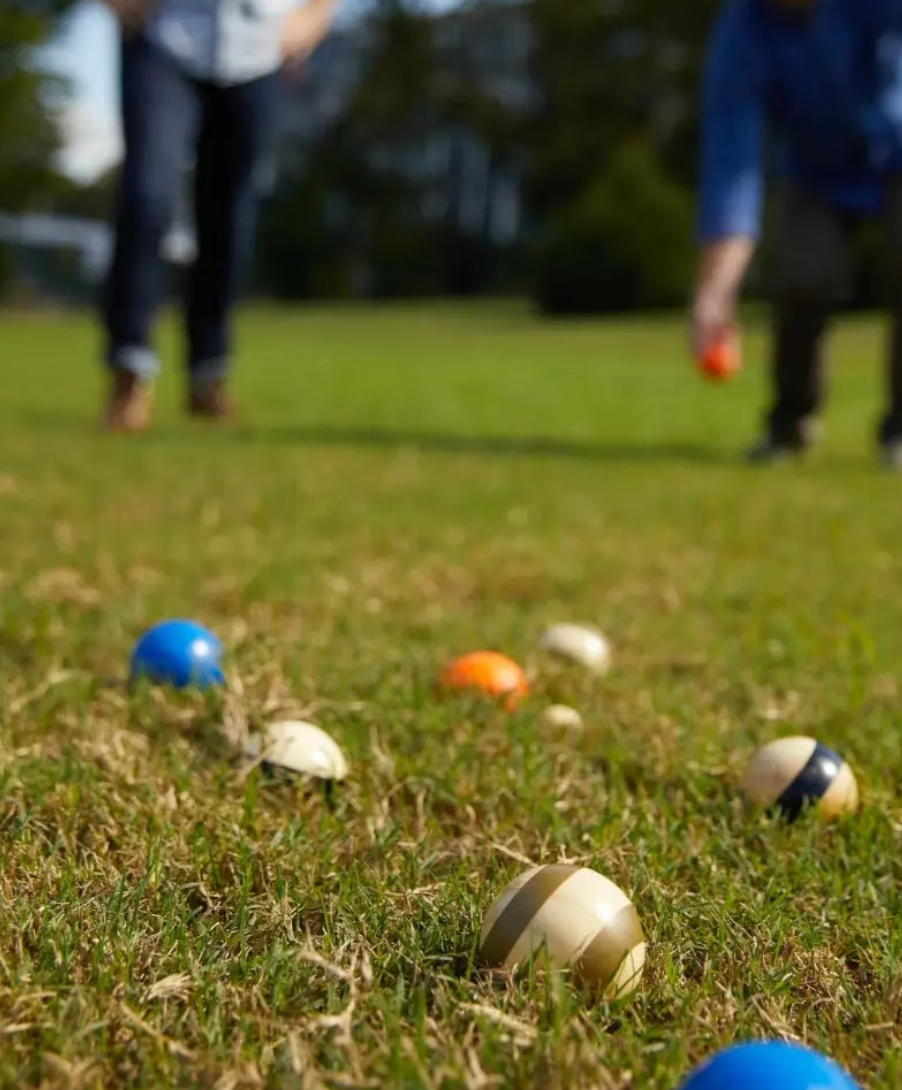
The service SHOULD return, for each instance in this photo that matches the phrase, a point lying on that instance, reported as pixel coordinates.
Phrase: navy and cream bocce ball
(791, 775)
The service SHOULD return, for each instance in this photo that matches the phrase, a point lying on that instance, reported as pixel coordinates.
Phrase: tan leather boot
(129, 403)
(210, 400)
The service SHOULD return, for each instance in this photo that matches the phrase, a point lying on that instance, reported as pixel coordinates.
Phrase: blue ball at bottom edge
(768, 1065)
(178, 653)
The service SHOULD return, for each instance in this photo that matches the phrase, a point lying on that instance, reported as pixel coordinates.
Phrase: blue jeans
(170, 119)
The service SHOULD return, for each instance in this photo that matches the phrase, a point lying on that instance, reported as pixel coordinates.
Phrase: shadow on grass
(385, 438)
(502, 445)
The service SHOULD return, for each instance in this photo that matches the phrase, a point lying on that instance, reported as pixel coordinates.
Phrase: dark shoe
(129, 403)
(889, 438)
(210, 400)
(891, 454)
(769, 450)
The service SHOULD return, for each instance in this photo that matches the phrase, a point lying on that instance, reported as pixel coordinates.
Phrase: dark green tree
(624, 244)
(86, 200)
(353, 207)
(611, 142)
(29, 131)
(384, 135)
(607, 73)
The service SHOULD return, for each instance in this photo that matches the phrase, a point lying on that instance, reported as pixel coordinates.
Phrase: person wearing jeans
(825, 78)
(200, 84)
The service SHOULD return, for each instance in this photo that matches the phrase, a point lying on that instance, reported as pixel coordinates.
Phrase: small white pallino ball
(584, 921)
(792, 774)
(577, 643)
(299, 747)
(561, 715)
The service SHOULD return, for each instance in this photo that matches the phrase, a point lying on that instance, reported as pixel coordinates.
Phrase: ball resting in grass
(578, 644)
(768, 1065)
(298, 747)
(561, 716)
(178, 653)
(792, 774)
(583, 921)
(486, 672)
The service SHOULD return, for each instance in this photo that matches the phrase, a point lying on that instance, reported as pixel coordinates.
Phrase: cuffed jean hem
(140, 362)
(207, 371)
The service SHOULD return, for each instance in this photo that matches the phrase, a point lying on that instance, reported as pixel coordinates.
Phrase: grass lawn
(408, 484)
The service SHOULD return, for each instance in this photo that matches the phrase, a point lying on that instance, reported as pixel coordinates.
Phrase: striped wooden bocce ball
(791, 774)
(584, 921)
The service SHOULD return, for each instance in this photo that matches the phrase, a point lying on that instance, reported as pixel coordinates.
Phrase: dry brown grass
(170, 918)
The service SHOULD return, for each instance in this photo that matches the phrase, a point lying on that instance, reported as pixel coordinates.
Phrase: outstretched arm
(731, 173)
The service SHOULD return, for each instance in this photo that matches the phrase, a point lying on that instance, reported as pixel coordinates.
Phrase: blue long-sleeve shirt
(826, 81)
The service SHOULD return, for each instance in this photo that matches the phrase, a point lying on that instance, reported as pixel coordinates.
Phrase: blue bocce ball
(768, 1065)
(178, 653)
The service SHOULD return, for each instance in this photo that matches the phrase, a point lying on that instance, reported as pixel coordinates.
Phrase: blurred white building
(91, 241)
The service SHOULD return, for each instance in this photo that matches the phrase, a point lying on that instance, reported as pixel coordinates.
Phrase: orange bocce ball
(486, 672)
(720, 360)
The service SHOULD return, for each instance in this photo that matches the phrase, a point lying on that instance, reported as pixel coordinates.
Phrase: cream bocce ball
(299, 747)
(584, 921)
(578, 644)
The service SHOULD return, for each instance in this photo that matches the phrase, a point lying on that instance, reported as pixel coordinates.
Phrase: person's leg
(233, 165)
(890, 434)
(810, 255)
(160, 112)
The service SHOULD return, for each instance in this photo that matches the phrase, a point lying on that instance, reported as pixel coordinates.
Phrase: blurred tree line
(29, 135)
(604, 147)
(601, 142)
(585, 110)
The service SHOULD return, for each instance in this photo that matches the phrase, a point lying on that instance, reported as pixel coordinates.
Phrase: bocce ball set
(183, 654)
(573, 917)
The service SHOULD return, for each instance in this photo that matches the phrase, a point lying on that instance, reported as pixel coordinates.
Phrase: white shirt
(223, 41)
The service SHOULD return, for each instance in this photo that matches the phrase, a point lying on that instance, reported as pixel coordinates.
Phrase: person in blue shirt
(200, 84)
(824, 79)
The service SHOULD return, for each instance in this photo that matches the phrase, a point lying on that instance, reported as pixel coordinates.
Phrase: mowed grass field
(408, 484)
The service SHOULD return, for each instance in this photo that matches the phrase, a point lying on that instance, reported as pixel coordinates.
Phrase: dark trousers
(810, 277)
(169, 121)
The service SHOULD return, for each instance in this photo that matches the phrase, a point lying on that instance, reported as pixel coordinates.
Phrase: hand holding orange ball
(721, 359)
